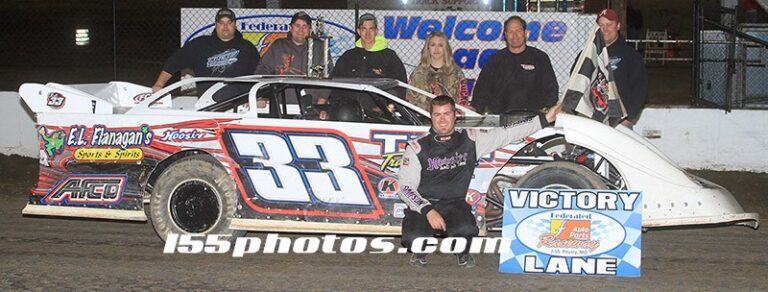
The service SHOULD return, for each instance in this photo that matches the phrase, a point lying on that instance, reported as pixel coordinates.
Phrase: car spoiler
(99, 98)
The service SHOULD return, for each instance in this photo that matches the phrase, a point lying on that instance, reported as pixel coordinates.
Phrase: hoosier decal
(182, 135)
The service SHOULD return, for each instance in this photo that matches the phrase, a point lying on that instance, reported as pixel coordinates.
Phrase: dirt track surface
(40, 253)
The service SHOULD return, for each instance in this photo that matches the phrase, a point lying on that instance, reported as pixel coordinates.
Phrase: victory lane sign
(572, 232)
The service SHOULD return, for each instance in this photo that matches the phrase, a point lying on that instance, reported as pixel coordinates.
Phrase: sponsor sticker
(141, 97)
(572, 232)
(52, 142)
(391, 161)
(108, 154)
(102, 136)
(55, 100)
(87, 189)
(388, 187)
(398, 210)
(179, 135)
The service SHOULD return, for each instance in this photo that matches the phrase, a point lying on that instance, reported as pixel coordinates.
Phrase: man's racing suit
(436, 171)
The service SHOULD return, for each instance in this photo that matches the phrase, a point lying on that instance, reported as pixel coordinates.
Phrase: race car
(292, 154)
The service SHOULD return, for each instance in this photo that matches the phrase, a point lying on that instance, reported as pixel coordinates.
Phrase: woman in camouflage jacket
(437, 73)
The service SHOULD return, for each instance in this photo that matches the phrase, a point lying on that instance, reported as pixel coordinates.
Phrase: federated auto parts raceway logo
(570, 233)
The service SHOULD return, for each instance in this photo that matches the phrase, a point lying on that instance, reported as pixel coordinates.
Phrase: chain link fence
(130, 40)
(730, 61)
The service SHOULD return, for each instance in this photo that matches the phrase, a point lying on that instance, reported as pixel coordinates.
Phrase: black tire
(494, 208)
(194, 195)
(561, 175)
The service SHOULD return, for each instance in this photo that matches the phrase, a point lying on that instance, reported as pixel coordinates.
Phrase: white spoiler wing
(100, 98)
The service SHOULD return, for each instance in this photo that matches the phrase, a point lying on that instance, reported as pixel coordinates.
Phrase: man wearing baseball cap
(224, 53)
(288, 56)
(370, 58)
(627, 66)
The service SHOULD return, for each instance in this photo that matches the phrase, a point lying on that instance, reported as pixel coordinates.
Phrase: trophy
(320, 34)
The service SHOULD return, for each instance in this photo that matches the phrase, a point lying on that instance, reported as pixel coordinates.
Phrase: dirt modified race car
(308, 155)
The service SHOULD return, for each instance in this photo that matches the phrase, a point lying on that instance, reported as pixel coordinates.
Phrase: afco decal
(141, 97)
(87, 189)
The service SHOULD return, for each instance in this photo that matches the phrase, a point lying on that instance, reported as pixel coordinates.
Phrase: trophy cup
(320, 34)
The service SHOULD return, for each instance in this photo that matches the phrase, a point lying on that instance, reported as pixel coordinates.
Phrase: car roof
(381, 83)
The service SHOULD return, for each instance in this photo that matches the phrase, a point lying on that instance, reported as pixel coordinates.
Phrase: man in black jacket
(436, 170)
(627, 66)
(222, 54)
(370, 57)
(516, 78)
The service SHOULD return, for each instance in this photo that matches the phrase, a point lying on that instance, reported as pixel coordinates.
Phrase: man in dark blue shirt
(222, 54)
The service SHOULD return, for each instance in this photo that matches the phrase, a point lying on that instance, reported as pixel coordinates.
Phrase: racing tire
(561, 175)
(194, 195)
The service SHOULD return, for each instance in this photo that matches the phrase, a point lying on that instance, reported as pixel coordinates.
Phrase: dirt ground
(39, 253)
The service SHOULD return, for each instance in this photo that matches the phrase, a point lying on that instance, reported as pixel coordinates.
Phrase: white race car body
(106, 151)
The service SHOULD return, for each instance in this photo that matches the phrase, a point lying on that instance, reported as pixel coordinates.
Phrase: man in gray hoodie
(288, 56)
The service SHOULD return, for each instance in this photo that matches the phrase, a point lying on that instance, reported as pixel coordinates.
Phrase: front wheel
(194, 195)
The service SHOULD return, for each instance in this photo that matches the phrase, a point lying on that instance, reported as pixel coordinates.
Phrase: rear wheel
(194, 195)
